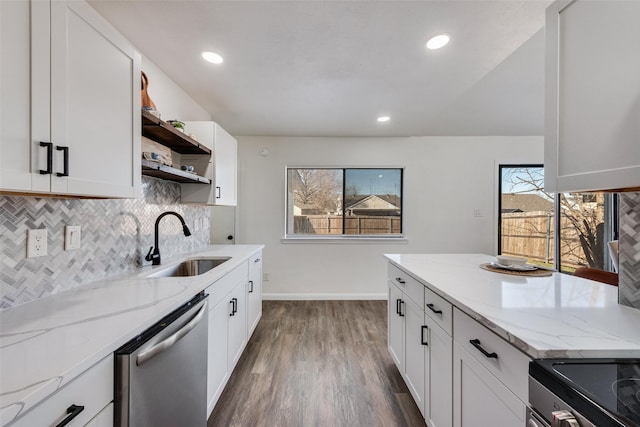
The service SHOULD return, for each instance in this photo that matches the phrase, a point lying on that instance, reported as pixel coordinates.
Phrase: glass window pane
(313, 201)
(372, 202)
(583, 231)
(526, 215)
(336, 201)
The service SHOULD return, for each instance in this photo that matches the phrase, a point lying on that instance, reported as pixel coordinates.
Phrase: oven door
(533, 420)
(549, 410)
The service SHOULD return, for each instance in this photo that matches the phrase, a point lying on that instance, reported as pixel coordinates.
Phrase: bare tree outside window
(528, 229)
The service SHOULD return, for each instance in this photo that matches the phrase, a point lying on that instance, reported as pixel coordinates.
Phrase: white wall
(445, 179)
(170, 99)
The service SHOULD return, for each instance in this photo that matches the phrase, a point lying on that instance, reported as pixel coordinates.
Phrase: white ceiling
(329, 68)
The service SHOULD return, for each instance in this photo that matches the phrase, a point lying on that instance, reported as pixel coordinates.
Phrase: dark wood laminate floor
(317, 363)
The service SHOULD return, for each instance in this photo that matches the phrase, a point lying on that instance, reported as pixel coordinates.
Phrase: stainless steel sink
(191, 267)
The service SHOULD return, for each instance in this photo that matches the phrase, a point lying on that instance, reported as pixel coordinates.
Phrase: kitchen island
(544, 317)
(463, 337)
(47, 343)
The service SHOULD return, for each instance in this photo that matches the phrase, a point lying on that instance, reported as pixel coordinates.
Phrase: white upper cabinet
(79, 88)
(592, 129)
(221, 168)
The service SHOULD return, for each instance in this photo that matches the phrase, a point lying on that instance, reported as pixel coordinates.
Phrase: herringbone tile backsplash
(116, 235)
(629, 250)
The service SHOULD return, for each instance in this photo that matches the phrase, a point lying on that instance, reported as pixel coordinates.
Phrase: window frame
(611, 207)
(336, 238)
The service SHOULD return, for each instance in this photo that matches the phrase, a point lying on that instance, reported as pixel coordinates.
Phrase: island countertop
(545, 317)
(44, 344)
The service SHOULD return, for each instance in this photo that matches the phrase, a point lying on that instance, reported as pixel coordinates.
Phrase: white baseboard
(303, 297)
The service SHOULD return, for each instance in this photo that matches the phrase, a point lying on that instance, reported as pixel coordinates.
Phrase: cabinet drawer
(93, 389)
(410, 286)
(508, 364)
(439, 309)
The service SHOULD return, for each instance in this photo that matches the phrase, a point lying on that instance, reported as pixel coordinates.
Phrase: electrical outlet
(477, 213)
(265, 277)
(71, 237)
(36, 242)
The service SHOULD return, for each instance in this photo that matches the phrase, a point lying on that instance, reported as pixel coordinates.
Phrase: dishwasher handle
(149, 354)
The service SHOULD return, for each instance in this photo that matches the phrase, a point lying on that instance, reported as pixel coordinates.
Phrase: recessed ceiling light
(384, 118)
(212, 57)
(438, 41)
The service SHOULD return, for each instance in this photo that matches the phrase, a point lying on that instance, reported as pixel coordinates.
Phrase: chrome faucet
(155, 256)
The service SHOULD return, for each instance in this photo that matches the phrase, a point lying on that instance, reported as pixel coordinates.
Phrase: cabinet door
(254, 293)
(15, 123)
(416, 353)
(93, 389)
(217, 372)
(237, 306)
(439, 377)
(395, 329)
(479, 398)
(103, 419)
(592, 130)
(95, 105)
(225, 159)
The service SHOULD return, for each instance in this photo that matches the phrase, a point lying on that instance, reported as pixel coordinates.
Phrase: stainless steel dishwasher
(161, 375)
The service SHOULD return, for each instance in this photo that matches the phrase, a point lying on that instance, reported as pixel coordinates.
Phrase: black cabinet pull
(401, 313)
(398, 306)
(476, 344)
(399, 280)
(49, 146)
(251, 286)
(72, 412)
(65, 160)
(235, 305)
(435, 310)
(256, 260)
(424, 341)
(219, 192)
(233, 308)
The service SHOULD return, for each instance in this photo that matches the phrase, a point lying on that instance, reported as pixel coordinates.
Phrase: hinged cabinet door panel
(95, 104)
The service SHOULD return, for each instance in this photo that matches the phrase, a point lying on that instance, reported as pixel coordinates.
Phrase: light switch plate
(71, 237)
(36, 242)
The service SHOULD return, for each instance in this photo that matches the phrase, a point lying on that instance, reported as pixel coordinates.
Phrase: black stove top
(606, 391)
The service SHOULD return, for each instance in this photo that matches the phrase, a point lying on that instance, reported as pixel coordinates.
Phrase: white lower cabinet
(217, 369)
(438, 407)
(490, 377)
(230, 303)
(103, 419)
(480, 399)
(237, 306)
(420, 345)
(458, 371)
(395, 328)
(416, 354)
(254, 293)
(86, 399)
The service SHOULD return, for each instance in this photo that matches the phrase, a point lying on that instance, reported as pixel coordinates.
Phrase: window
(529, 218)
(344, 201)
(526, 214)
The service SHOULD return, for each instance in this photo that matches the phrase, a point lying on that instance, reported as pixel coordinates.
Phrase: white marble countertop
(46, 343)
(545, 317)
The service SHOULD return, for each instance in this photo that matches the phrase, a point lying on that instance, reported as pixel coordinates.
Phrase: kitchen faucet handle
(149, 257)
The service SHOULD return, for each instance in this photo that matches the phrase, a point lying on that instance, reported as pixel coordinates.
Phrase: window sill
(346, 239)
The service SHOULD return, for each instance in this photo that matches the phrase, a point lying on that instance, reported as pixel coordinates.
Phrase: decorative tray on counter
(517, 270)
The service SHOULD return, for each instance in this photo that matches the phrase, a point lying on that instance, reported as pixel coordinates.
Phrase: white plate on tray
(514, 267)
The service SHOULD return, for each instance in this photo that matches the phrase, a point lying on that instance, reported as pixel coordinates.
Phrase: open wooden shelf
(158, 170)
(165, 134)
